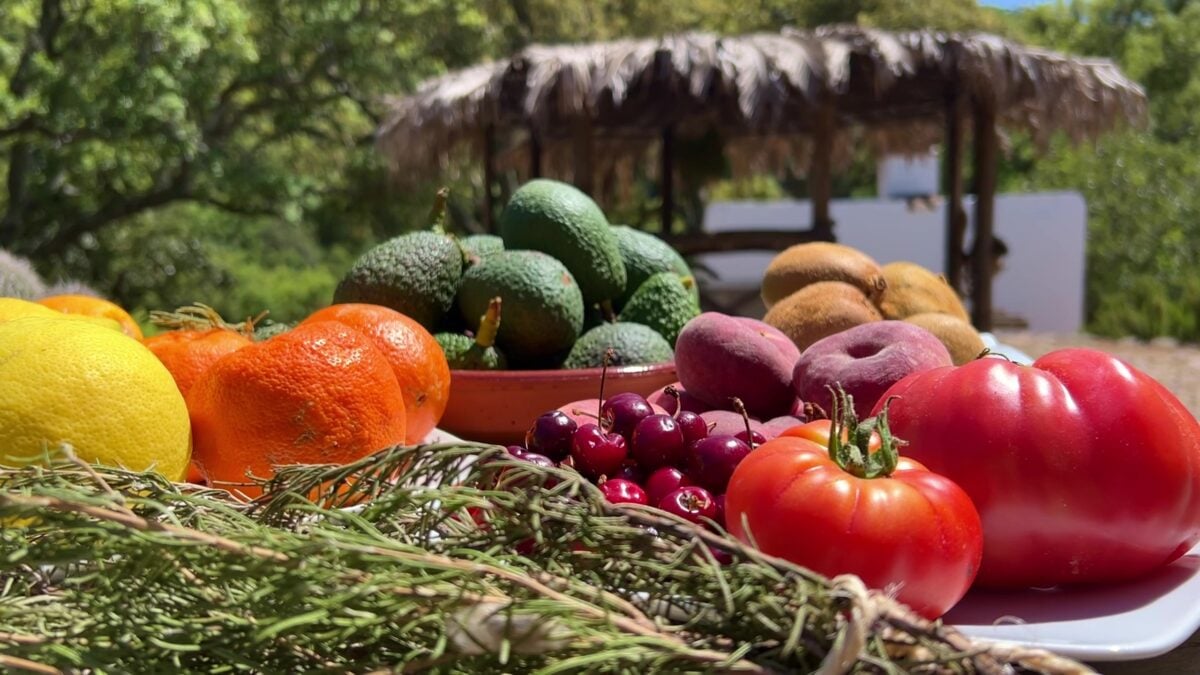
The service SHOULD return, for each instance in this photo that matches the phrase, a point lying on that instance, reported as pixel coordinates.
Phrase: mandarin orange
(321, 393)
(417, 359)
(90, 306)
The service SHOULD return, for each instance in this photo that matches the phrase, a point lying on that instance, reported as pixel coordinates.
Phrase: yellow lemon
(95, 389)
(15, 308)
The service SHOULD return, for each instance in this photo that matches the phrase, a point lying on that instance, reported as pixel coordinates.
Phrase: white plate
(1123, 622)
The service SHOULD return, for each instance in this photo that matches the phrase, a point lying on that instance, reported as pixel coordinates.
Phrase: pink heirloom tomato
(1083, 468)
(833, 504)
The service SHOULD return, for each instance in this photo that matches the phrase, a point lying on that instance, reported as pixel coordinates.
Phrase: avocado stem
(437, 215)
(489, 324)
(606, 309)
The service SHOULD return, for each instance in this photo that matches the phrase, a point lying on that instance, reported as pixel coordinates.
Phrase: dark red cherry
(693, 426)
(711, 461)
(621, 491)
(663, 482)
(596, 452)
(551, 435)
(621, 413)
(657, 441)
(691, 503)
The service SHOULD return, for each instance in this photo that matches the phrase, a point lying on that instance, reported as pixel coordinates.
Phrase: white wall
(1043, 276)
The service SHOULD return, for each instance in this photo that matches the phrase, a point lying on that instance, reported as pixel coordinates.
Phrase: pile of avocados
(558, 287)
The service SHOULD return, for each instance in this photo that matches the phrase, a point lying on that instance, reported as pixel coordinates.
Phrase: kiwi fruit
(802, 264)
(961, 339)
(913, 289)
(819, 310)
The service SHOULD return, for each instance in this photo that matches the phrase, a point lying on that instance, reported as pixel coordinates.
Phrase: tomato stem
(853, 454)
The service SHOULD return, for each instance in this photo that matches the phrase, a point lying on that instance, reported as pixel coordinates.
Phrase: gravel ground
(1176, 366)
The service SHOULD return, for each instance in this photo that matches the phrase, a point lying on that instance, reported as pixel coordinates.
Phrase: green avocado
(481, 246)
(632, 344)
(645, 255)
(415, 274)
(543, 306)
(665, 303)
(475, 353)
(560, 220)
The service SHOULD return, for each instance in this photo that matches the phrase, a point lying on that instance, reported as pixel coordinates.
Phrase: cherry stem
(609, 355)
(741, 408)
(854, 455)
(671, 391)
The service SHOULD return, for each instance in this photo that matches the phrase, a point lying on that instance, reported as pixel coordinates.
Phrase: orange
(319, 394)
(417, 359)
(187, 354)
(86, 305)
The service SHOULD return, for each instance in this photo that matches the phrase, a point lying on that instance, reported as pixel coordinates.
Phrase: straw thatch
(759, 92)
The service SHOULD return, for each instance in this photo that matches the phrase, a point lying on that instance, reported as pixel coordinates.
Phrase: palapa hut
(591, 113)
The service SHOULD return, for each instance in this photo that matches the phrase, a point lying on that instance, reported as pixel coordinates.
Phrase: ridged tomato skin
(1083, 468)
(913, 532)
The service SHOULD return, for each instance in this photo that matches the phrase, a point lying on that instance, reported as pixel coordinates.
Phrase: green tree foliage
(1143, 208)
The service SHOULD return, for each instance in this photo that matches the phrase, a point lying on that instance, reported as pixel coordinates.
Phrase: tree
(115, 107)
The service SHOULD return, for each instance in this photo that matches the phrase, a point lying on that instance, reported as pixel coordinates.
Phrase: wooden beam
(986, 156)
(956, 216)
(535, 153)
(666, 178)
(489, 178)
(584, 144)
(820, 171)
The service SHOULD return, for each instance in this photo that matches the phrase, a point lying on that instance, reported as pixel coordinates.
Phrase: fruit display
(561, 271)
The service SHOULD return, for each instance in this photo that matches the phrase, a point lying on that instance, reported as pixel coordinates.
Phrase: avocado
(665, 303)
(480, 246)
(415, 274)
(560, 220)
(478, 353)
(632, 344)
(645, 255)
(543, 307)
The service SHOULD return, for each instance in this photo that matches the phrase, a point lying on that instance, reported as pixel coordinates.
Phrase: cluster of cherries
(638, 456)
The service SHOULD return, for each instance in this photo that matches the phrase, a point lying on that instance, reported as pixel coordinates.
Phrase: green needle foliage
(448, 558)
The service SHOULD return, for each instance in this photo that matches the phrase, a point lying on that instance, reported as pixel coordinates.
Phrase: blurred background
(222, 151)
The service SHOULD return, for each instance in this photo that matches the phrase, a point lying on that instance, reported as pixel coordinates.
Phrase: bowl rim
(563, 374)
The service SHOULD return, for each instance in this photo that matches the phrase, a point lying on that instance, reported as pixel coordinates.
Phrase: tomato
(840, 510)
(817, 431)
(1083, 468)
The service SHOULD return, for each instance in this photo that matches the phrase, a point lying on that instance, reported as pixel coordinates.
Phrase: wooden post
(820, 171)
(583, 146)
(956, 216)
(666, 178)
(489, 177)
(535, 153)
(986, 156)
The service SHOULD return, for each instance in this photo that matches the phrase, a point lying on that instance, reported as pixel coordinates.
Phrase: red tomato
(817, 431)
(906, 528)
(1083, 468)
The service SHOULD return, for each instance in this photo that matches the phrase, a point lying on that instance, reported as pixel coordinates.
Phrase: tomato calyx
(852, 454)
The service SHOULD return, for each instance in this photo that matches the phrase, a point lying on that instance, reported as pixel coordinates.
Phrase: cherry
(540, 460)
(711, 461)
(722, 556)
(630, 472)
(551, 434)
(693, 426)
(720, 518)
(657, 441)
(621, 413)
(621, 491)
(596, 452)
(517, 451)
(691, 503)
(753, 439)
(663, 482)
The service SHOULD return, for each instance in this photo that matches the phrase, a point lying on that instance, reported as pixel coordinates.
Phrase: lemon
(15, 308)
(95, 389)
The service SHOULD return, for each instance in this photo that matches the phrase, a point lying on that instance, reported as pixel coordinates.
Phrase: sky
(1011, 4)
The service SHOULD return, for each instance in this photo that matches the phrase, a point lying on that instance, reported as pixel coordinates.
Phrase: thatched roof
(760, 92)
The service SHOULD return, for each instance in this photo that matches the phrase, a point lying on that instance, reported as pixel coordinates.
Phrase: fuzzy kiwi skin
(961, 339)
(913, 289)
(819, 310)
(802, 264)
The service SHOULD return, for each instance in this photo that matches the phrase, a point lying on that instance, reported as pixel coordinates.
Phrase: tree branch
(239, 209)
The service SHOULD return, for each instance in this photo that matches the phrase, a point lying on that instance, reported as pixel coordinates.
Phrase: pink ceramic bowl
(497, 406)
